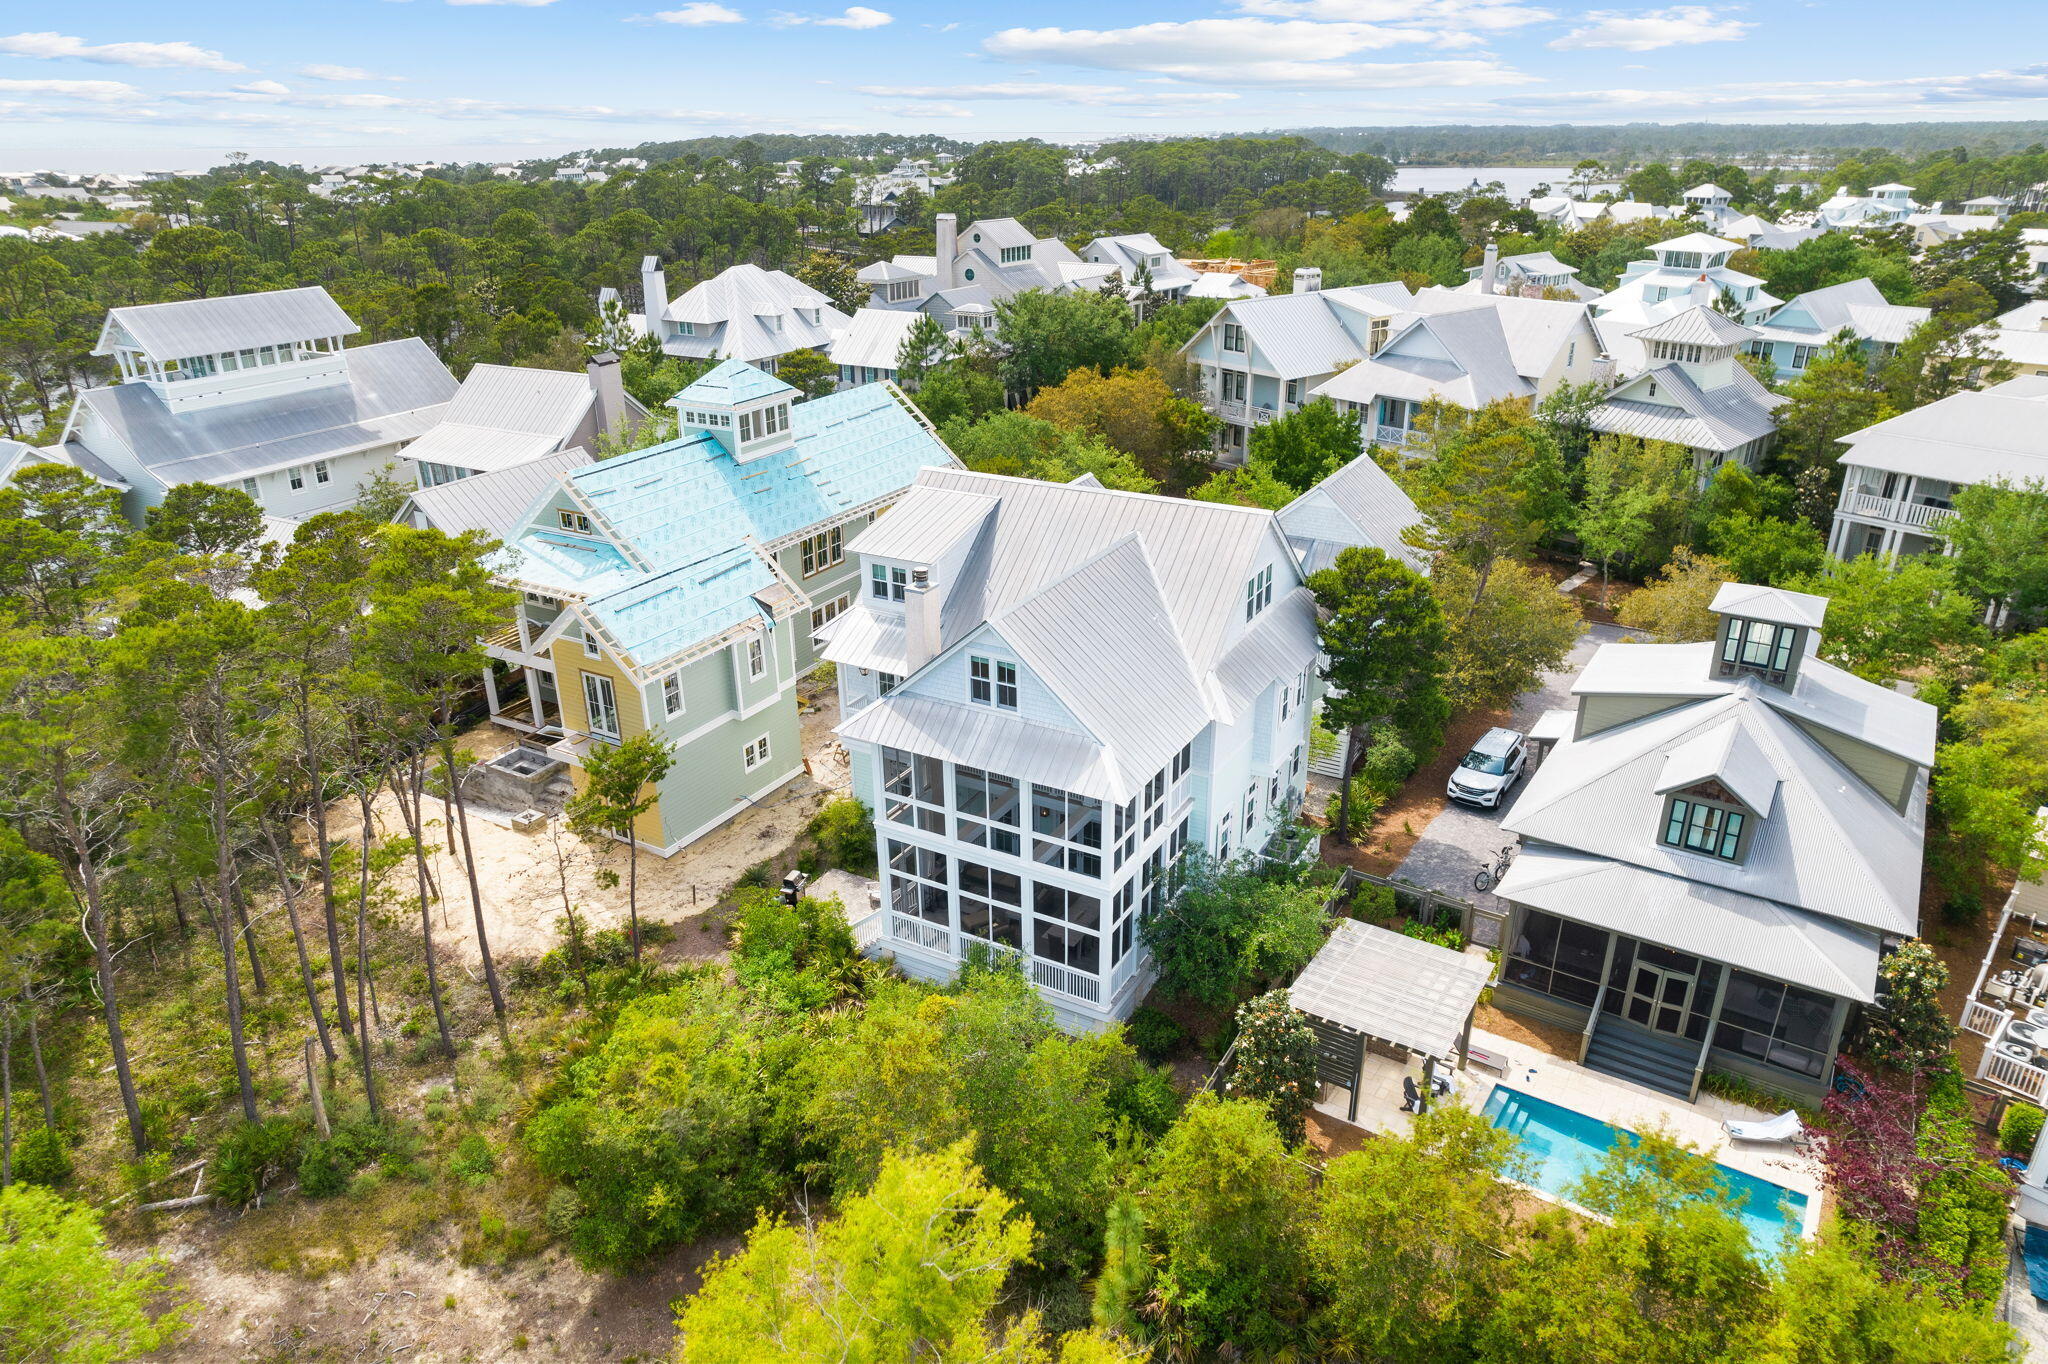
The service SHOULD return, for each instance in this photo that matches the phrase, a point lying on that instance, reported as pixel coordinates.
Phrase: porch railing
(1985, 1020)
(1892, 509)
(1392, 435)
(1592, 1022)
(2022, 1078)
(1229, 411)
(931, 937)
(1052, 976)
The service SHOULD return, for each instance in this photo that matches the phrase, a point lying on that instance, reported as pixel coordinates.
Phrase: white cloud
(918, 111)
(322, 71)
(100, 91)
(56, 46)
(856, 16)
(521, 4)
(1679, 26)
(1490, 16)
(1099, 96)
(266, 88)
(2017, 93)
(695, 15)
(1247, 51)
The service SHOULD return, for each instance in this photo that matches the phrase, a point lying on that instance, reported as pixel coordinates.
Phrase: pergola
(1370, 984)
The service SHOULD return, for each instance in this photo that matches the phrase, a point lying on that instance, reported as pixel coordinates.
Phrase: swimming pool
(1563, 1146)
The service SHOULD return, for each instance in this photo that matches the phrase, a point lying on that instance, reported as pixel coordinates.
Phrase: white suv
(1486, 774)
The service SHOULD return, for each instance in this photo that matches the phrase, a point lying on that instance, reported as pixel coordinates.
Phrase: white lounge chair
(1785, 1127)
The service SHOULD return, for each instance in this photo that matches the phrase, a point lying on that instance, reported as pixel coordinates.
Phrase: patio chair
(1785, 1127)
(1411, 1094)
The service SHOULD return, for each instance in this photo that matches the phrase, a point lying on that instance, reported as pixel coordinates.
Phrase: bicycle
(1488, 877)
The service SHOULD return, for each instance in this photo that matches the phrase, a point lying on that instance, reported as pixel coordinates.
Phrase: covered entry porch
(1383, 1005)
(1664, 979)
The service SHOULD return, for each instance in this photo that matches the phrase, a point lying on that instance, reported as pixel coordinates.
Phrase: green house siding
(710, 781)
(840, 580)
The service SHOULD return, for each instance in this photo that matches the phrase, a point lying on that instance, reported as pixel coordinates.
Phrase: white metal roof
(1460, 356)
(981, 736)
(1831, 845)
(1357, 505)
(208, 326)
(1972, 437)
(1389, 986)
(1822, 694)
(1697, 241)
(495, 503)
(873, 338)
(1778, 605)
(1683, 413)
(1702, 326)
(1537, 329)
(504, 416)
(921, 528)
(1725, 754)
(1747, 932)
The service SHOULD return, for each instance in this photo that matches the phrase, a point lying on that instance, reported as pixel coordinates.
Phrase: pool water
(1563, 1146)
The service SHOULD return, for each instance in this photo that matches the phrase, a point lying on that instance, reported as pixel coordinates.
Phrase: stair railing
(1592, 1021)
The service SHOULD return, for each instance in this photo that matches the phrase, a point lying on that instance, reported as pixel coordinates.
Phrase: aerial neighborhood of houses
(1061, 700)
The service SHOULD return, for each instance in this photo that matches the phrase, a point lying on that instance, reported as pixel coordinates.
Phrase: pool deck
(1611, 1100)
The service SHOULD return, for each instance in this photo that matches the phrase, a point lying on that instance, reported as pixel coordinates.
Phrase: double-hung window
(992, 682)
(1233, 385)
(1233, 337)
(320, 474)
(757, 659)
(297, 478)
(825, 614)
(886, 583)
(756, 753)
(672, 695)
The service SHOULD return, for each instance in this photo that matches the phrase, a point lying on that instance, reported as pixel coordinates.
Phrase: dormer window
(1706, 819)
(1760, 648)
(1258, 592)
(575, 522)
(768, 421)
(886, 583)
(1012, 254)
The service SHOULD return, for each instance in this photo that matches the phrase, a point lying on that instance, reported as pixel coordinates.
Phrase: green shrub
(1442, 937)
(1276, 1062)
(1374, 904)
(1387, 763)
(797, 958)
(1154, 1033)
(42, 1156)
(1146, 1097)
(1914, 1029)
(473, 1159)
(2019, 1130)
(250, 1156)
(326, 1167)
(759, 876)
(844, 832)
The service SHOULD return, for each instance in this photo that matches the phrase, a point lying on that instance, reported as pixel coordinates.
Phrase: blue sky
(122, 86)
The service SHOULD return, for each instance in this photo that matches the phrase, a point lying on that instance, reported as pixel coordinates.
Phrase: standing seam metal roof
(209, 326)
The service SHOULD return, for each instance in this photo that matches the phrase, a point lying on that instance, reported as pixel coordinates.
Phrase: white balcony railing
(918, 933)
(2028, 1081)
(1392, 435)
(1229, 411)
(1891, 509)
(1263, 415)
(1052, 976)
(1985, 1020)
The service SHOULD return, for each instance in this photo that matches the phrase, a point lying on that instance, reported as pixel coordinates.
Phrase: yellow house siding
(570, 665)
(1605, 712)
(1889, 775)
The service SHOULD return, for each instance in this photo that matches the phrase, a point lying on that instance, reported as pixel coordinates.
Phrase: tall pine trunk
(365, 1037)
(453, 799)
(257, 976)
(291, 909)
(309, 756)
(6, 1098)
(415, 818)
(35, 1050)
(223, 890)
(103, 965)
(1344, 788)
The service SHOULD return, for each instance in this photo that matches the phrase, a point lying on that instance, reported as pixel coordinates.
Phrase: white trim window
(824, 615)
(757, 659)
(757, 753)
(320, 474)
(600, 706)
(1258, 592)
(249, 486)
(590, 649)
(887, 682)
(886, 583)
(992, 682)
(297, 478)
(672, 694)
(1232, 386)
(1233, 338)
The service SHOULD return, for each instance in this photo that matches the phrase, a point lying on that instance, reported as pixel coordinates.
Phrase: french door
(601, 706)
(1659, 998)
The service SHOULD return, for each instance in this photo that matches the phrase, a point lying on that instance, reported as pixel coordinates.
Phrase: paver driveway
(1463, 838)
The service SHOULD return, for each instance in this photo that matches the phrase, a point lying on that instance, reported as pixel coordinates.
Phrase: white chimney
(1488, 267)
(610, 387)
(921, 605)
(1702, 292)
(948, 226)
(1307, 278)
(653, 295)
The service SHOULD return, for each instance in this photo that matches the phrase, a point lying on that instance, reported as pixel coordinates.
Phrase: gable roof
(1856, 304)
(746, 302)
(1296, 335)
(1830, 845)
(874, 339)
(1725, 754)
(208, 326)
(1357, 505)
(1478, 369)
(1704, 419)
(494, 503)
(504, 415)
(1536, 328)
(396, 390)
